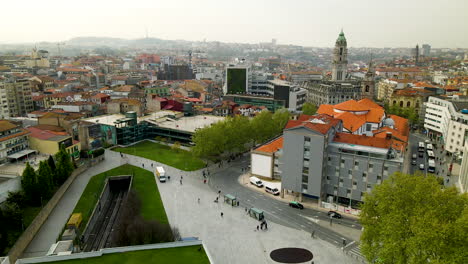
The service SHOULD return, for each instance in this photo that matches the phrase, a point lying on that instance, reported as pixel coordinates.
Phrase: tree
(412, 219)
(176, 146)
(28, 183)
(309, 109)
(51, 163)
(44, 180)
(64, 165)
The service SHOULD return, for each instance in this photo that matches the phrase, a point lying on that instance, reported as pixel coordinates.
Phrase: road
(441, 167)
(279, 212)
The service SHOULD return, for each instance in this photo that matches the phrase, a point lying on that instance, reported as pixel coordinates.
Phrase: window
(408, 104)
(342, 163)
(367, 88)
(401, 103)
(368, 127)
(305, 170)
(304, 187)
(356, 163)
(307, 139)
(305, 179)
(350, 173)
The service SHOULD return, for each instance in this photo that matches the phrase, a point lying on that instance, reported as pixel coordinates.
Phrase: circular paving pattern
(291, 255)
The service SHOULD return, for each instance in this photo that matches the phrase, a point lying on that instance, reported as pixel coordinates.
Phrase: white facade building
(445, 122)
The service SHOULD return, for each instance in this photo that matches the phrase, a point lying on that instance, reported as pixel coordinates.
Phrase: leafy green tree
(51, 163)
(412, 219)
(176, 146)
(44, 180)
(28, 183)
(309, 109)
(64, 165)
(280, 118)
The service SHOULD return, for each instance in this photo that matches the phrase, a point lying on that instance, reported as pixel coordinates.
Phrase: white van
(272, 190)
(161, 174)
(256, 181)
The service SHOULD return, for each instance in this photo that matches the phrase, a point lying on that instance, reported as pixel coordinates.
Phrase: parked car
(414, 162)
(421, 166)
(256, 181)
(421, 154)
(414, 156)
(296, 205)
(334, 214)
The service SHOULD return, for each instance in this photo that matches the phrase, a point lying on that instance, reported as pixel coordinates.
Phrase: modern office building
(321, 162)
(238, 79)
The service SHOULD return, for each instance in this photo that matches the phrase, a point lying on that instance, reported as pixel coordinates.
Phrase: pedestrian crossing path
(354, 250)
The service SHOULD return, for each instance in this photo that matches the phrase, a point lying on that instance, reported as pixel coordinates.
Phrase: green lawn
(181, 255)
(144, 184)
(181, 159)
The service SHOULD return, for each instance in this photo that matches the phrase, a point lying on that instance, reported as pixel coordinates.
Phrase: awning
(21, 154)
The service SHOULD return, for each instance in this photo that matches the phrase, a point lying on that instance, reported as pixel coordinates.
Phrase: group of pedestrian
(262, 225)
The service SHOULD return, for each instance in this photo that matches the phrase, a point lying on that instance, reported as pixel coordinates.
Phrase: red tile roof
(352, 106)
(271, 147)
(350, 121)
(320, 123)
(44, 134)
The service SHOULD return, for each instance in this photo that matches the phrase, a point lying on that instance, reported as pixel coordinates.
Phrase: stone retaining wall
(23, 241)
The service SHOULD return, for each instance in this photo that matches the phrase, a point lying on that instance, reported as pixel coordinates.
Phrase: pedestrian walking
(204, 181)
(198, 200)
(266, 226)
(313, 234)
(219, 193)
(143, 165)
(151, 165)
(180, 181)
(222, 214)
(257, 227)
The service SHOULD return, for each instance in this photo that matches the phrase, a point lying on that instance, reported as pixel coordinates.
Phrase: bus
(421, 147)
(431, 166)
(430, 155)
(429, 147)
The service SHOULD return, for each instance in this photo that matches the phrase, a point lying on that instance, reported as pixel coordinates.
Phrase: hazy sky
(370, 23)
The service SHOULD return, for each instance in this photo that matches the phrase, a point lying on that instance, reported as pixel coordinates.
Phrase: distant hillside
(111, 42)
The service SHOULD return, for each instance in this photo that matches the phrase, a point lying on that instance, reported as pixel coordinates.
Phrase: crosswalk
(354, 251)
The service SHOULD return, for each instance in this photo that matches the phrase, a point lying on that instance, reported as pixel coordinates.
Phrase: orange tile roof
(362, 140)
(350, 121)
(320, 127)
(6, 125)
(352, 105)
(272, 146)
(368, 102)
(326, 109)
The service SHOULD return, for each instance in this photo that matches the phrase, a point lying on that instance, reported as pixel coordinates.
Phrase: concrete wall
(105, 251)
(94, 216)
(44, 146)
(4, 260)
(28, 235)
(11, 185)
(262, 165)
(294, 156)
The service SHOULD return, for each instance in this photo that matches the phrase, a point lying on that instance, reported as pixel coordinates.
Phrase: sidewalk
(232, 238)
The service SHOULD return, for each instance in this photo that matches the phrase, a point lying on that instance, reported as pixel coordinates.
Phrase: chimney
(389, 135)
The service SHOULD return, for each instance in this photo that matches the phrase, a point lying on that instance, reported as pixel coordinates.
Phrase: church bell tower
(340, 59)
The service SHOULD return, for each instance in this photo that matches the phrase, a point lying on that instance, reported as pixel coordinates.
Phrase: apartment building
(446, 120)
(463, 179)
(13, 139)
(15, 97)
(319, 161)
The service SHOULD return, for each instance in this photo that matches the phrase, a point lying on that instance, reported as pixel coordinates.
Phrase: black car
(334, 214)
(421, 154)
(296, 205)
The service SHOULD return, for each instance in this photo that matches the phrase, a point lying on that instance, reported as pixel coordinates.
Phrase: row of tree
(237, 134)
(309, 109)
(406, 112)
(414, 219)
(41, 185)
(37, 186)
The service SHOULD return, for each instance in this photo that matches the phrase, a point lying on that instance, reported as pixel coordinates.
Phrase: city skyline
(365, 23)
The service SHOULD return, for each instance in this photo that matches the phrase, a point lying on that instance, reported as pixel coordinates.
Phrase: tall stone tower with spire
(340, 59)
(368, 83)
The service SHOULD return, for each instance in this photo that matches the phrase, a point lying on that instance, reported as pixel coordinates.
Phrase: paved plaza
(231, 238)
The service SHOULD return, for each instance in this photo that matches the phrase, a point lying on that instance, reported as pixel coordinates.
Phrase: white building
(265, 159)
(445, 121)
(463, 179)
